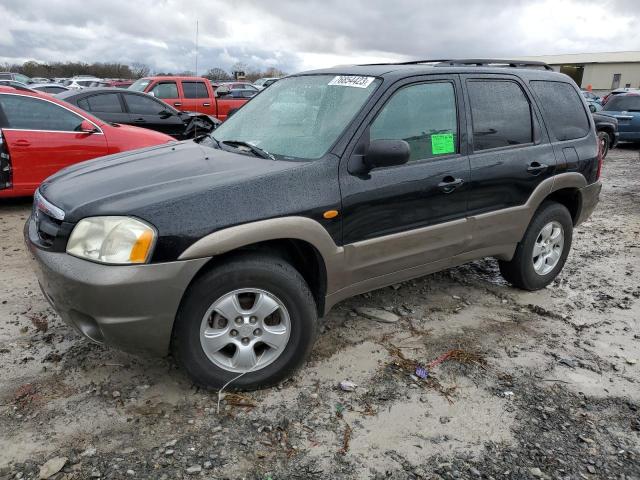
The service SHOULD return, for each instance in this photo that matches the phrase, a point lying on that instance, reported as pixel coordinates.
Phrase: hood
(132, 181)
(604, 117)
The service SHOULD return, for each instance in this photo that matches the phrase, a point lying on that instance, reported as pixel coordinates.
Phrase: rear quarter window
(563, 110)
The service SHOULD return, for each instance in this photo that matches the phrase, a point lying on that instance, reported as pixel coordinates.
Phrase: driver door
(398, 220)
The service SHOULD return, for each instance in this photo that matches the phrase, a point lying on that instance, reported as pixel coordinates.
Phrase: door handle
(206, 104)
(177, 104)
(449, 184)
(21, 143)
(535, 168)
(139, 120)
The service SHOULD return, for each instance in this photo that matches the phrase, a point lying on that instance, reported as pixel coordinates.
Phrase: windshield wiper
(257, 151)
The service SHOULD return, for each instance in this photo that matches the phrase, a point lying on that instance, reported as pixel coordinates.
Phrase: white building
(604, 71)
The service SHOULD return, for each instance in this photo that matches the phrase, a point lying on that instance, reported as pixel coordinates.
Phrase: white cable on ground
(233, 380)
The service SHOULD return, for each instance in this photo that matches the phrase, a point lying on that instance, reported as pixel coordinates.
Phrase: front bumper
(131, 307)
(590, 196)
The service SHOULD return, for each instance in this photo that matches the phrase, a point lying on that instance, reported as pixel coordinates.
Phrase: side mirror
(222, 90)
(87, 127)
(387, 153)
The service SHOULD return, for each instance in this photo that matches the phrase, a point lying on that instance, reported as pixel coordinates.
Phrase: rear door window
(423, 115)
(165, 90)
(563, 110)
(500, 113)
(26, 113)
(105, 103)
(141, 105)
(194, 90)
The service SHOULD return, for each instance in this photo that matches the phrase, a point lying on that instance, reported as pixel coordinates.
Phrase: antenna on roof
(195, 131)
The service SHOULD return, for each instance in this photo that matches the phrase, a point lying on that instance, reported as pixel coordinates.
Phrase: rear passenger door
(510, 155)
(400, 217)
(105, 106)
(147, 112)
(569, 124)
(196, 97)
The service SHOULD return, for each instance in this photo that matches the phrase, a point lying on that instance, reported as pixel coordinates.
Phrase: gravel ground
(540, 385)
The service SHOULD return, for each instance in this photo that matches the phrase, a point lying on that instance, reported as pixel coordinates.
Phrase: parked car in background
(593, 105)
(140, 109)
(40, 80)
(49, 87)
(236, 85)
(616, 92)
(607, 128)
(626, 109)
(191, 94)
(18, 77)
(15, 84)
(590, 96)
(81, 81)
(240, 93)
(40, 134)
(119, 83)
(265, 82)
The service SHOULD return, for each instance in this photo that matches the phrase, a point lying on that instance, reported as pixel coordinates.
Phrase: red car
(40, 135)
(190, 94)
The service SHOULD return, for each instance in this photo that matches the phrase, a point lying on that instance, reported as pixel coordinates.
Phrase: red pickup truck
(190, 94)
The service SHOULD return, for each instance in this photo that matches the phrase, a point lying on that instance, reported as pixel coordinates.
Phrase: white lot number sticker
(352, 81)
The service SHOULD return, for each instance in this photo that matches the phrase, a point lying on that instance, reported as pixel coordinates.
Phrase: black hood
(132, 181)
(603, 117)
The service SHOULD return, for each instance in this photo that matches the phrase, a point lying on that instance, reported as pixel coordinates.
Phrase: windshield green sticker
(442, 143)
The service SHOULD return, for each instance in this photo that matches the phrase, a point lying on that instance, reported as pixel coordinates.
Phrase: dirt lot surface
(541, 385)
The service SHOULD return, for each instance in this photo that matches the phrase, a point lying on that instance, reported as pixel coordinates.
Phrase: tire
(275, 282)
(520, 270)
(605, 142)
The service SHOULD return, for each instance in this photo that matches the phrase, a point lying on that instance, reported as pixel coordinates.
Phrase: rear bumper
(130, 307)
(590, 196)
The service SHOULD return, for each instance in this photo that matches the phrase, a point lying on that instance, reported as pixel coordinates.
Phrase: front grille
(51, 231)
(47, 227)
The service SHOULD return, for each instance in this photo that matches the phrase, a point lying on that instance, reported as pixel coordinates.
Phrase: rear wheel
(543, 251)
(605, 142)
(253, 316)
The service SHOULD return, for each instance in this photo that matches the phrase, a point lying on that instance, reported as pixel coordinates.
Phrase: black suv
(225, 250)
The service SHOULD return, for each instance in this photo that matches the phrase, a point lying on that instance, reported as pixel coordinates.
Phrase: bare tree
(139, 70)
(217, 73)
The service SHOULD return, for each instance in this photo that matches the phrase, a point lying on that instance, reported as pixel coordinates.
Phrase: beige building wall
(600, 75)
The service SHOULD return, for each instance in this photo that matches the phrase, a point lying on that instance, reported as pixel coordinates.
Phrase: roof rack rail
(480, 62)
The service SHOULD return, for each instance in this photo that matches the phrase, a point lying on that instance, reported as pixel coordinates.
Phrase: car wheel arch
(301, 241)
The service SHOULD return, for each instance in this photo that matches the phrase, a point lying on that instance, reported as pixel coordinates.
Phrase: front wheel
(253, 316)
(543, 251)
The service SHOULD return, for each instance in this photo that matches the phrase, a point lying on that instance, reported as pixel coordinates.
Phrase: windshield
(621, 103)
(140, 85)
(299, 117)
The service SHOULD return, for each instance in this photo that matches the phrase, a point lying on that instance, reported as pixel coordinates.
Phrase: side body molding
(366, 265)
(298, 228)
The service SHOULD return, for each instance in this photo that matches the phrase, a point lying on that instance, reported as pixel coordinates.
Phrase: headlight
(117, 240)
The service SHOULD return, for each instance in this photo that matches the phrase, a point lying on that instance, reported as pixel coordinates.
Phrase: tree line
(132, 71)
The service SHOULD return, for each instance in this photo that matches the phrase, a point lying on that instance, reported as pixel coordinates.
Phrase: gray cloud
(292, 34)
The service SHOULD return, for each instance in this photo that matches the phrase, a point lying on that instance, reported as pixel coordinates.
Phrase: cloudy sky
(295, 35)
